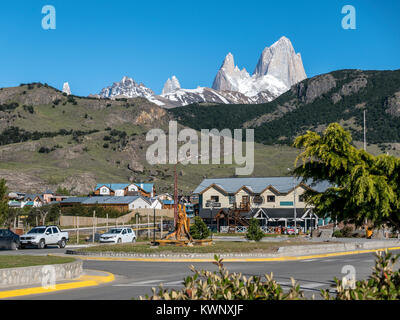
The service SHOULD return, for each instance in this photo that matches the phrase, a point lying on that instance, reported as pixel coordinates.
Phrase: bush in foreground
(383, 284)
(222, 285)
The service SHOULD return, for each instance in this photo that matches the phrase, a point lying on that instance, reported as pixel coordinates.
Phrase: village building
(119, 203)
(125, 189)
(276, 201)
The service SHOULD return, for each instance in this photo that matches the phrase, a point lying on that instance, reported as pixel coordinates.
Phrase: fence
(243, 229)
(90, 221)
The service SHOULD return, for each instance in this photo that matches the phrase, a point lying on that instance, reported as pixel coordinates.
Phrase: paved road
(134, 279)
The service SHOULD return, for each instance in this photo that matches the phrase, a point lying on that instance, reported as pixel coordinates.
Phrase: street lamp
(294, 204)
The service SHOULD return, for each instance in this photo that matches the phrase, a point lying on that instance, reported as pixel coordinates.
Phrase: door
(56, 235)
(125, 236)
(245, 201)
(49, 236)
(129, 235)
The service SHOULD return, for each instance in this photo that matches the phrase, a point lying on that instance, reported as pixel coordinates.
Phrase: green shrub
(254, 231)
(347, 231)
(383, 284)
(337, 234)
(223, 285)
(199, 229)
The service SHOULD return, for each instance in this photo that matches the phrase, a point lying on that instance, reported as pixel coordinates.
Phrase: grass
(217, 247)
(28, 261)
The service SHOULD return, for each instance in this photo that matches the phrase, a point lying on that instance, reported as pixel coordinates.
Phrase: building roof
(147, 187)
(257, 185)
(271, 213)
(74, 199)
(33, 196)
(211, 213)
(103, 200)
(167, 202)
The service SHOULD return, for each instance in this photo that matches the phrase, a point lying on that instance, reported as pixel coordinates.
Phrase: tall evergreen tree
(363, 186)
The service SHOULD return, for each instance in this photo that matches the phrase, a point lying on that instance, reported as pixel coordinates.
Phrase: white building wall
(139, 204)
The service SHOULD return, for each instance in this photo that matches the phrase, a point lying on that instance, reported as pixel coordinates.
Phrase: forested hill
(339, 96)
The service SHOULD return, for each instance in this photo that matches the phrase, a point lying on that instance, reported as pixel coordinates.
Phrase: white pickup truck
(43, 236)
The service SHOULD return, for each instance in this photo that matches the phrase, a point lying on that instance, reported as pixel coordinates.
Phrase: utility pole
(294, 204)
(154, 225)
(93, 231)
(175, 195)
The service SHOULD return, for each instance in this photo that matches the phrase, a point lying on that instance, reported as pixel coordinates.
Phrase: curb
(81, 282)
(121, 258)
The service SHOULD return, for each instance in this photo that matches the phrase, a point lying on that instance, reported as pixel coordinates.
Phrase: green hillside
(339, 96)
(48, 139)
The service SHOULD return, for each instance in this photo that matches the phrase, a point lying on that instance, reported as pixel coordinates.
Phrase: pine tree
(363, 186)
(254, 231)
(199, 229)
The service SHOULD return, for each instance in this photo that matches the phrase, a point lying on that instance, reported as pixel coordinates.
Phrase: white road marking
(309, 260)
(312, 285)
(305, 286)
(147, 283)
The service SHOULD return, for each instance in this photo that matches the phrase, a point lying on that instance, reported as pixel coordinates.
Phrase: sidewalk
(89, 278)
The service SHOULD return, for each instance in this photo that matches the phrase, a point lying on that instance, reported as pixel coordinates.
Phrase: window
(270, 198)
(49, 231)
(301, 198)
(215, 198)
(55, 230)
(124, 232)
(232, 199)
(129, 230)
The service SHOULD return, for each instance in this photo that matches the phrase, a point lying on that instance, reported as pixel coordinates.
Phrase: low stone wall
(36, 274)
(337, 247)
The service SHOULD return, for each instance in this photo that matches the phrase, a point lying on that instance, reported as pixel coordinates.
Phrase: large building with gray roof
(273, 200)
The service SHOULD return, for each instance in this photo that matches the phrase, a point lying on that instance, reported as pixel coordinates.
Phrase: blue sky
(97, 42)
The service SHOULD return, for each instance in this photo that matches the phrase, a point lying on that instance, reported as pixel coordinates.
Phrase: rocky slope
(49, 139)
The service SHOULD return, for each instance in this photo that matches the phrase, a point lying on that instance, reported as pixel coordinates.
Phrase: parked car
(9, 240)
(118, 235)
(290, 230)
(43, 236)
(96, 237)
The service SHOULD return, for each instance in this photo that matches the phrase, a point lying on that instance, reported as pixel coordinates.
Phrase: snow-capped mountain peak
(127, 87)
(281, 61)
(278, 68)
(66, 89)
(171, 85)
